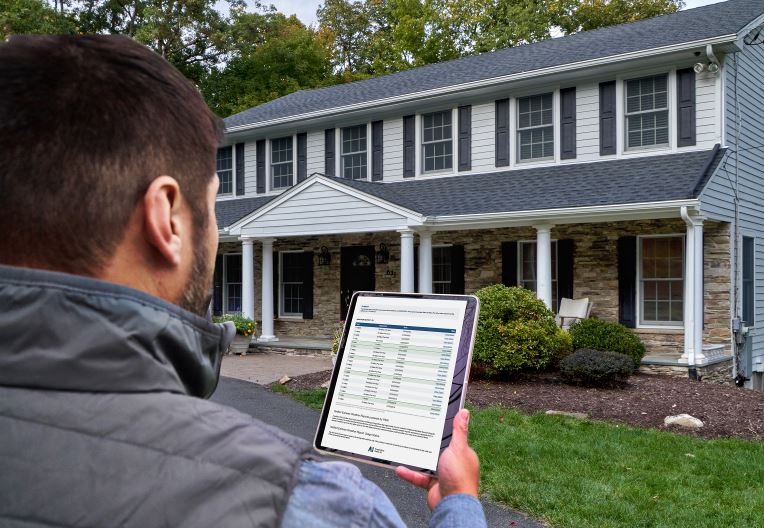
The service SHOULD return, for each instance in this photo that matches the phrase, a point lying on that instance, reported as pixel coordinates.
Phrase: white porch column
(266, 332)
(544, 264)
(697, 285)
(407, 260)
(689, 291)
(425, 262)
(247, 279)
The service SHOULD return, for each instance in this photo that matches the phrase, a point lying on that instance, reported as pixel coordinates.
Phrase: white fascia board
(321, 232)
(487, 82)
(572, 215)
(413, 217)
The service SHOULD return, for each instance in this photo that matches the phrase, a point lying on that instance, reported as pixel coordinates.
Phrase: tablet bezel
(459, 378)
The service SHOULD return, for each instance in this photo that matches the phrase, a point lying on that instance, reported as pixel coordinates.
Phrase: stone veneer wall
(595, 272)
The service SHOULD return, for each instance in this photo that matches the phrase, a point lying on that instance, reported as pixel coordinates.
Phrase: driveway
(295, 418)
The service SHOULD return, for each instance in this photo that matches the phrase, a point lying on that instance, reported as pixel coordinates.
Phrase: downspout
(689, 290)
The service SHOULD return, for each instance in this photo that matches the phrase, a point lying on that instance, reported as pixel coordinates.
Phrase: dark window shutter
(465, 138)
(685, 93)
(565, 263)
(608, 133)
(276, 285)
(627, 281)
(509, 263)
(502, 133)
(239, 169)
(329, 152)
(409, 146)
(416, 268)
(377, 143)
(302, 157)
(568, 123)
(457, 269)
(260, 154)
(217, 292)
(307, 285)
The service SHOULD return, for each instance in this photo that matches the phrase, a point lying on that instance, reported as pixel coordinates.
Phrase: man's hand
(458, 467)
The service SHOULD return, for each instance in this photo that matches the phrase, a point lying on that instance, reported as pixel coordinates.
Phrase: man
(108, 237)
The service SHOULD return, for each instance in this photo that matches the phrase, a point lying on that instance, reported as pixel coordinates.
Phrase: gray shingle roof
(229, 211)
(623, 181)
(685, 26)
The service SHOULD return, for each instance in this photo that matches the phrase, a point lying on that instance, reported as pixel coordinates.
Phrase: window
(291, 283)
(661, 280)
(225, 170)
(647, 113)
(441, 270)
(748, 267)
(535, 128)
(281, 162)
(354, 152)
(526, 269)
(437, 147)
(232, 287)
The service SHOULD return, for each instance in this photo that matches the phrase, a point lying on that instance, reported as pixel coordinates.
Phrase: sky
(306, 9)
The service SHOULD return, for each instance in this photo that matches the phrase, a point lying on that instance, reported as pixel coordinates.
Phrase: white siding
(322, 209)
(484, 137)
(250, 169)
(316, 152)
(587, 122)
(706, 122)
(392, 149)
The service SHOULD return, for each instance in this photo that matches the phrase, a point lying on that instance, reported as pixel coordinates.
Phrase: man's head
(107, 165)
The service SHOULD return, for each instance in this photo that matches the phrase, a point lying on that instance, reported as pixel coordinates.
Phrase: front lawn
(584, 473)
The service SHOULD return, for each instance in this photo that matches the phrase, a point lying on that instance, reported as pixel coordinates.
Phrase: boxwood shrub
(516, 332)
(595, 367)
(611, 337)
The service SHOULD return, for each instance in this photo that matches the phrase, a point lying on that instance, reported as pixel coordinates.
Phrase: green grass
(591, 474)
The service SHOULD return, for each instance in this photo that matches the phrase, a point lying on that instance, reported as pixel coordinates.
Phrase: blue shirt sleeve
(330, 494)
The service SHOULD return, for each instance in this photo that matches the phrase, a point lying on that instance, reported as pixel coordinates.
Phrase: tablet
(399, 379)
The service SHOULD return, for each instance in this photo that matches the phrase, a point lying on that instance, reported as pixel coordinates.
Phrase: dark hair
(86, 123)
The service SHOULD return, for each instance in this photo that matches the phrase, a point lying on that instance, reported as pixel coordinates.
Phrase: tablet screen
(390, 395)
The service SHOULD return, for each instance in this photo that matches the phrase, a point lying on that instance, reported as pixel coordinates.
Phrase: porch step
(294, 346)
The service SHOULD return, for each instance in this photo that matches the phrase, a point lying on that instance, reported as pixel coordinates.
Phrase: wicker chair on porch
(572, 310)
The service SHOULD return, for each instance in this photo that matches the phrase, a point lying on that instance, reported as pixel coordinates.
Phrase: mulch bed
(644, 401)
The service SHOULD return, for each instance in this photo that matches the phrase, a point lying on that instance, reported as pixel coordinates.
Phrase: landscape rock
(683, 420)
(325, 385)
(577, 415)
(284, 379)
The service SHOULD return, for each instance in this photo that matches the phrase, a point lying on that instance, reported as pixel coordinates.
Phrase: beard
(197, 296)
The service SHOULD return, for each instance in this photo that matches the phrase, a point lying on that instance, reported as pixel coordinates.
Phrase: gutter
(445, 90)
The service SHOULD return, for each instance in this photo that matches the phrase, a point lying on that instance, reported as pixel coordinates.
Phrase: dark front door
(356, 273)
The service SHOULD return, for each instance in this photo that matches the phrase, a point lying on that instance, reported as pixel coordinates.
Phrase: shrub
(244, 326)
(516, 332)
(612, 337)
(595, 367)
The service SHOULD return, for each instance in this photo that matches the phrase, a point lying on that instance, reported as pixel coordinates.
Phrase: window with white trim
(647, 114)
(661, 280)
(437, 143)
(281, 162)
(292, 270)
(232, 283)
(224, 167)
(354, 152)
(535, 127)
(441, 269)
(526, 268)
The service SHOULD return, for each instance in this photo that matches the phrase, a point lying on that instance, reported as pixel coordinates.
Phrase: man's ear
(162, 221)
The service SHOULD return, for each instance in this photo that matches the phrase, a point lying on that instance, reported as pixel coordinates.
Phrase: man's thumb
(460, 429)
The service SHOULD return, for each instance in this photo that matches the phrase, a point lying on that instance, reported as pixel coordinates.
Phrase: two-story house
(622, 164)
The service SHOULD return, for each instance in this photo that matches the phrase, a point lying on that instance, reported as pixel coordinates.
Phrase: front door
(356, 273)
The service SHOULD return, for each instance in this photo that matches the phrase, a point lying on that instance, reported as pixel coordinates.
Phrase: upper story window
(225, 170)
(661, 280)
(437, 146)
(281, 162)
(535, 127)
(647, 115)
(354, 152)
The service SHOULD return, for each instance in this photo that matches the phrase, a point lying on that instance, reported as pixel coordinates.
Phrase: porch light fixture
(324, 258)
(383, 255)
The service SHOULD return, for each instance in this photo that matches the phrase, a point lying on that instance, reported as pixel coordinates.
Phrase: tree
(32, 16)
(584, 15)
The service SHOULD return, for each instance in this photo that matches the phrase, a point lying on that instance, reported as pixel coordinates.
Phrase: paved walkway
(265, 368)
